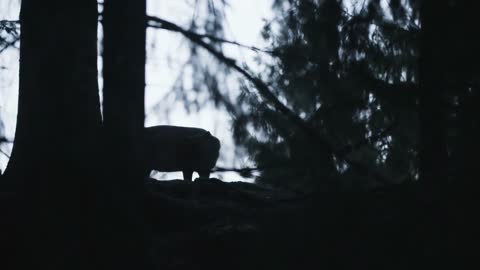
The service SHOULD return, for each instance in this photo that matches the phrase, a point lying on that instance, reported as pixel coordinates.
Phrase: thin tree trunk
(123, 110)
(433, 156)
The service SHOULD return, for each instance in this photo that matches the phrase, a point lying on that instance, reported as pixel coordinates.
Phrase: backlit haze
(166, 54)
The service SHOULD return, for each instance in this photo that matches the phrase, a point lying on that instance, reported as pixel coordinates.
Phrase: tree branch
(4, 153)
(163, 24)
(4, 140)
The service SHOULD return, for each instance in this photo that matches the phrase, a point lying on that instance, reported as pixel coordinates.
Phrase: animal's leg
(204, 174)
(187, 175)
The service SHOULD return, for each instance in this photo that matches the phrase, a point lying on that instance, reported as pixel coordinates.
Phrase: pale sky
(166, 51)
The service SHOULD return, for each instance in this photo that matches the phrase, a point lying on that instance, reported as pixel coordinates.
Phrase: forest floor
(210, 224)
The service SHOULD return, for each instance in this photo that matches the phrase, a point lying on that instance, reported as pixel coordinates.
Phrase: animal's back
(173, 148)
(172, 133)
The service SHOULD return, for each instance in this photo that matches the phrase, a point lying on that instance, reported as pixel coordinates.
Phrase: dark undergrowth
(209, 224)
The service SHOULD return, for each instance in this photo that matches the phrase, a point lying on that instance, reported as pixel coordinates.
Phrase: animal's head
(204, 146)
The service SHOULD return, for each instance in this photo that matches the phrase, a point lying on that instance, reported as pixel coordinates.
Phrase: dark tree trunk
(449, 62)
(58, 119)
(124, 52)
(58, 125)
(469, 147)
(467, 82)
(433, 156)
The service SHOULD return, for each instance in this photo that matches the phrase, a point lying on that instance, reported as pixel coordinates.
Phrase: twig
(4, 153)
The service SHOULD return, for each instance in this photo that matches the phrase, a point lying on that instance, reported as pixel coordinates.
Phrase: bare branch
(4, 140)
(4, 153)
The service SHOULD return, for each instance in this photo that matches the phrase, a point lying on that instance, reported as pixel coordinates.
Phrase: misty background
(168, 65)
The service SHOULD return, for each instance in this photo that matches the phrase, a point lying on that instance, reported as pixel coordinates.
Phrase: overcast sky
(166, 51)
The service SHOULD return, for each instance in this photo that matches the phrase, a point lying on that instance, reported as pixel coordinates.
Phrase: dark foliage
(214, 225)
(350, 70)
